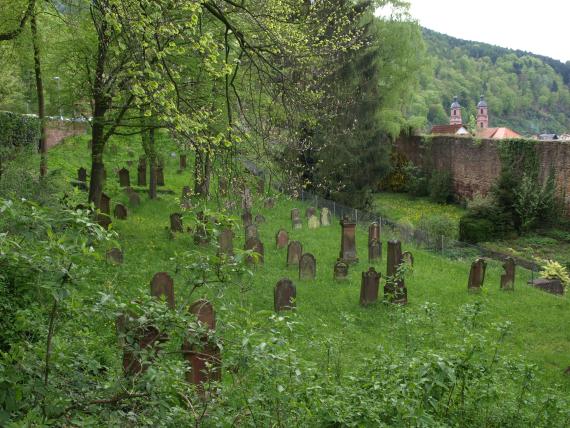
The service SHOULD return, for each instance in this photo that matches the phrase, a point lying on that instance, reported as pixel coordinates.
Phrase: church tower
(482, 114)
(455, 113)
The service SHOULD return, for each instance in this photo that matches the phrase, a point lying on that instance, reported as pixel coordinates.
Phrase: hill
(527, 92)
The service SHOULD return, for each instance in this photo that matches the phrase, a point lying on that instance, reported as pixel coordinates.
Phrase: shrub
(440, 187)
(476, 229)
(554, 270)
(18, 130)
(416, 181)
(438, 226)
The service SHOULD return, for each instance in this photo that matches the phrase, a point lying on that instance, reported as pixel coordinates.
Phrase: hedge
(18, 130)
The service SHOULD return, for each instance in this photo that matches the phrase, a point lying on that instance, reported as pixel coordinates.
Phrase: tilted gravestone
(374, 251)
(246, 218)
(325, 217)
(477, 275)
(114, 256)
(340, 270)
(226, 242)
(203, 357)
(311, 211)
(124, 178)
(374, 232)
(369, 287)
(508, 278)
(120, 212)
(269, 203)
(395, 290)
(141, 172)
(294, 252)
(182, 162)
(251, 232)
(134, 198)
(307, 267)
(256, 246)
(284, 295)
(104, 216)
(176, 223)
(348, 241)
(259, 219)
(282, 238)
(314, 222)
(162, 286)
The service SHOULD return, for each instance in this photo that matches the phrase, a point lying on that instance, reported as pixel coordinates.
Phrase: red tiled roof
(446, 129)
(497, 133)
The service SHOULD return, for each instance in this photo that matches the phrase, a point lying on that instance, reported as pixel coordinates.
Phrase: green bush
(476, 229)
(416, 181)
(440, 187)
(18, 130)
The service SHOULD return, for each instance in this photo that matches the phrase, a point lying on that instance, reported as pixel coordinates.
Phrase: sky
(540, 27)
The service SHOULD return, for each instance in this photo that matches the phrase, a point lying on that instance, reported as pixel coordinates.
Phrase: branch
(14, 33)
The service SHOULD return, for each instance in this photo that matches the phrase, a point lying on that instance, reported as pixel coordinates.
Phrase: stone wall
(57, 131)
(475, 165)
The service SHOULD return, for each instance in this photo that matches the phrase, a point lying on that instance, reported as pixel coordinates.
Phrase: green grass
(329, 310)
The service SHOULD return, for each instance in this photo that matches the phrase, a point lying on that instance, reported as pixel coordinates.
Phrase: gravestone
(314, 222)
(257, 246)
(251, 232)
(114, 256)
(246, 218)
(294, 252)
(340, 270)
(325, 217)
(82, 175)
(374, 251)
(374, 232)
(295, 213)
(508, 278)
(307, 267)
(141, 172)
(104, 216)
(162, 285)
(552, 286)
(223, 186)
(120, 212)
(296, 218)
(284, 295)
(369, 287)
(182, 162)
(477, 275)
(226, 242)
(124, 177)
(176, 223)
(259, 219)
(201, 234)
(261, 185)
(269, 203)
(311, 211)
(408, 258)
(203, 357)
(281, 239)
(160, 172)
(395, 290)
(185, 202)
(348, 241)
(134, 198)
(147, 339)
(246, 199)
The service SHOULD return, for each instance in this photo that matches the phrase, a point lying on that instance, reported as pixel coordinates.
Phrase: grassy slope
(330, 310)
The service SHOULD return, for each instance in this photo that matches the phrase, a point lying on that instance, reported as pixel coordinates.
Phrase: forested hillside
(526, 92)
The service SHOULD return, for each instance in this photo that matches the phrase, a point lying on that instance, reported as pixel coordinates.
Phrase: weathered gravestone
(223, 186)
(82, 178)
(340, 270)
(348, 241)
(269, 203)
(185, 202)
(246, 218)
(508, 278)
(325, 217)
(146, 338)
(477, 275)
(160, 172)
(294, 252)
(201, 233)
(182, 162)
(314, 222)
(226, 242)
(176, 223)
(550, 285)
(114, 256)
(296, 219)
(307, 267)
(282, 238)
(257, 246)
(104, 216)
(408, 258)
(251, 232)
(162, 286)
(124, 177)
(246, 199)
(284, 295)
(134, 198)
(259, 219)
(369, 287)
(311, 211)
(395, 290)
(374, 232)
(141, 172)
(374, 251)
(120, 212)
(261, 185)
(203, 357)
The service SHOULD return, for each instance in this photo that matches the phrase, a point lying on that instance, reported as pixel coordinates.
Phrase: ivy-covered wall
(18, 130)
(476, 164)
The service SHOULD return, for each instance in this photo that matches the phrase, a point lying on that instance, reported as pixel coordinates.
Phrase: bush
(554, 270)
(476, 229)
(416, 181)
(18, 130)
(440, 187)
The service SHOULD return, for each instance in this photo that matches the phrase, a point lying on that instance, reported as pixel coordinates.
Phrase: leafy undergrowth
(448, 358)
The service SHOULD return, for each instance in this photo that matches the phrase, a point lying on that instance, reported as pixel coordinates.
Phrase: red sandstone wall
(475, 164)
(57, 131)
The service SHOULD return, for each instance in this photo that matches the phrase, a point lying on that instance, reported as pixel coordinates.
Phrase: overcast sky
(541, 27)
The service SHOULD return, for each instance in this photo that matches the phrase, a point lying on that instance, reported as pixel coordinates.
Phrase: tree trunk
(40, 93)
(198, 172)
(152, 162)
